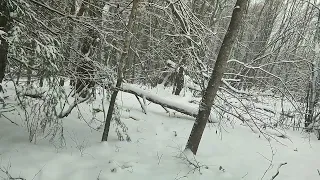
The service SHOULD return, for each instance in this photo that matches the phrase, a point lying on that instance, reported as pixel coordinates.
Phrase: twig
(120, 12)
(274, 176)
(270, 160)
(98, 178)
(38, 173)
(166, 109)
(36, 96)
(6, 171)
(134, 118)
(159, 157)
(244, 175)
(141, 105)
(9, 120)
(72, 106)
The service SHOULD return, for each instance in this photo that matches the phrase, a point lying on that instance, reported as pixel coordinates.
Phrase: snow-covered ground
(156, 150)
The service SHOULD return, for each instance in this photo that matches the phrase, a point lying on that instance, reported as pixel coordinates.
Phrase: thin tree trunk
(311, 95)
(29, 72)
(61, 82)
(110, 112)
(31, 62)
(41, 81)
(4, 46)
(121, 67)
(19, 74)
(311, 101)
(307, 118)
(215, 80)
(179, 81)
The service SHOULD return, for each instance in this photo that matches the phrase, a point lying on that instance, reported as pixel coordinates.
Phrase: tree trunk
(121, 66)
(61, 82)
(311, 100)
(19, 74)
(110, 112)
(29, 74)
(72, 82)
(154, 99)
(31, 61)
(179, 81)
(215, 80)
(41, 81)
(307, 118)
(4, 46)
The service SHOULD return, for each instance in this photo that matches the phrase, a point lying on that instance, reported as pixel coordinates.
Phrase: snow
(190, 84)
(171, 64)
(157, 148)
(2, 32)
(106, 9)
(166, 98)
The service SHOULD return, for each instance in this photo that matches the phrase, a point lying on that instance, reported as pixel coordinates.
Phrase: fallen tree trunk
(182, 108)
(190, 111)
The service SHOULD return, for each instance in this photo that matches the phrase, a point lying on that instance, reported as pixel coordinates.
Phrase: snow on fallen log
(166, 102)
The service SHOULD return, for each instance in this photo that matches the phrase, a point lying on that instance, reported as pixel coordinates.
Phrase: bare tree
(215, 80)
(312, 88)
(122, 63)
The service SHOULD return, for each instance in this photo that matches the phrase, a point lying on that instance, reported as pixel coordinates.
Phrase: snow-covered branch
(77, 101)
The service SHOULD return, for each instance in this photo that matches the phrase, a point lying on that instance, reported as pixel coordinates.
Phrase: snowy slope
(156, 150)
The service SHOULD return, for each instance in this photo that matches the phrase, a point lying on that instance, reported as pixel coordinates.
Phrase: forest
(169, 89)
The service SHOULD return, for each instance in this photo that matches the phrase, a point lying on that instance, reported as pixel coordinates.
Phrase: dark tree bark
(29, 70)
(4, 46)
(215, 80)
(110, 112)
(121, 66)
(61, 82)
(179, 82)
(41, 82)
(72, 82)
(308, 115)
(19, 74)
